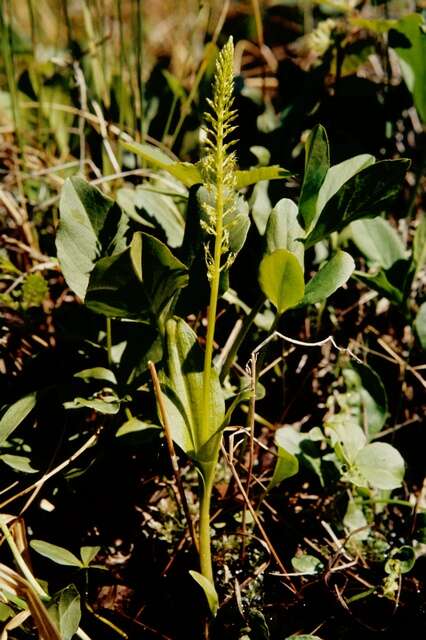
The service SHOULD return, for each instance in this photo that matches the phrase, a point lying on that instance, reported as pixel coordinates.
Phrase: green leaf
(107, 405)
(286, 466)
(91, 224)
(363, 379)
(329, 278)
(413, 59)
(15, 414)
(133, 425)
(159, 208)
(260, 205)
(344, 430)
(381, 465)
(87, 554)
(419, 244)
(55, 553)
(338, 174)
(281, 279)
(19, 463)
(378, 241)
(289, 439)
(366, 194)
(183, 393)
(246, 177)
(405, 556)
(355, 519)
(97, 373)
(420, 324)
(209, 591)
(380, 282)
(139, 282)
(307, 564)
(283, 230)
(66, 612)
(317, 164)
(303, 637)
(189, 174)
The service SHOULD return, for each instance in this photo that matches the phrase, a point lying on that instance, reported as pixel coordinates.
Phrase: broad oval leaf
(307, 564)
(15, 414)
(66, 612)
(281, 279)
(159, 208)
(90, 225)
(283, 231)
(317, 164)
(55, 553)
(138, 282)
(365, 195)
(381, 465)
(260, 205)
(340, 173)
(329, 278)
(286, 466)
(183, 393)
(373, 399)
(378, 241)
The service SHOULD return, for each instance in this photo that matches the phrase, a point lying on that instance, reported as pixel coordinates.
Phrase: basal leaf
(283, 231)
(209, 591)
(380, 282)
(378, 241)
(329, 278)
(317, 164)
(159, 208)
(365, 195)
(66, 612)
(138, 282)
(281, 279)
(361, 378)
(338, 174)
(286, 466)
(381, 465)
(307, 564)
(90, 225)
(260, 205)
(183, 392)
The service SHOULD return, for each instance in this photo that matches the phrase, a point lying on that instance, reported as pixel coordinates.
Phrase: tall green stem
(206, 487)
(208, 479)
